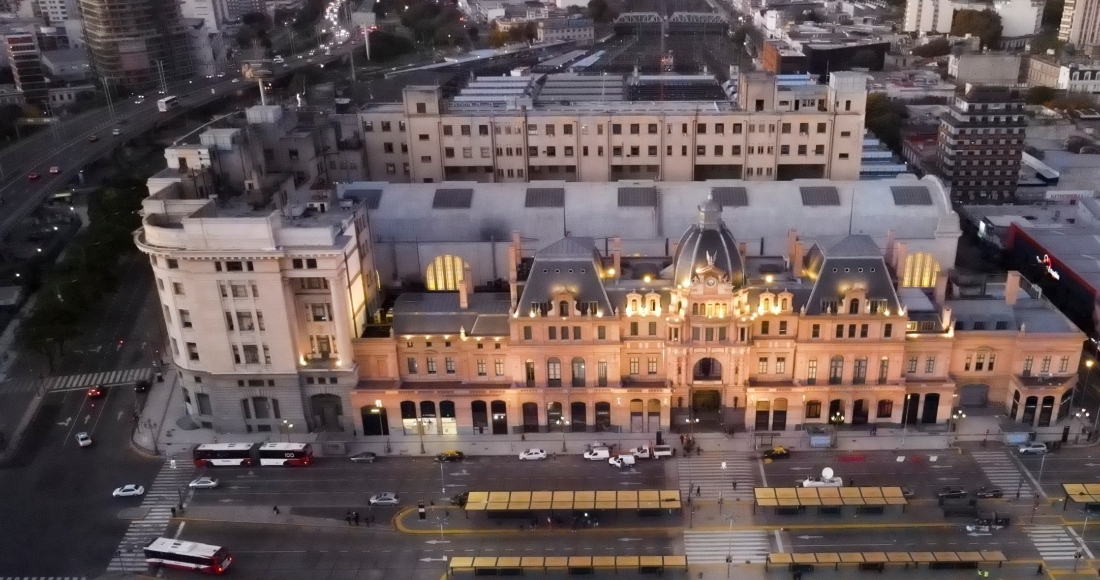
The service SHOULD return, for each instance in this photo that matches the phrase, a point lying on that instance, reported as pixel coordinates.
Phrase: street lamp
(420, 429)
(287, 427)
(563, 423)
(691, 422)
(837, 419)
(1089, 363)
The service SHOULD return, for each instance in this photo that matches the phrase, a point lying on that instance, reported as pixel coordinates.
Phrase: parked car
(777, 452)
(951, 492)
(129, 490)
(450, 456)
(460, 499)
(83, 439)
(384, 498)
(364, 457)
(597, 453)
(203, 483)
(1033, 448)
(532, 455)
(986, 493)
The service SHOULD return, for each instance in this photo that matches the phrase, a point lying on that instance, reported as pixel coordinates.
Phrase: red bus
(210, 454)
(286, 454)
(169, 553)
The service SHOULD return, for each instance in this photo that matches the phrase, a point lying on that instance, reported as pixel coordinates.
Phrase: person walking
(275, 509)
(735, 486)
(698, 491)
(347, 517)
(355, 518)
(851, 482)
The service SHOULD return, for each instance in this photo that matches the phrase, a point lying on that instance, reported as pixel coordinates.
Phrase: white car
(597, 454)
(532, 455)
(83, 439)
(385, 498)
(130, 490)
(203, 483)
(1033, 448)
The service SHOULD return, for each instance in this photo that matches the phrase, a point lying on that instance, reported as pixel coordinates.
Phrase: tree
(1040, 95)
(257, 20)
(885, 118)
(938, 47)
(985, 24)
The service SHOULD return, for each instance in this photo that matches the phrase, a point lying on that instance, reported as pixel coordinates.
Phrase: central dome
(708, 243)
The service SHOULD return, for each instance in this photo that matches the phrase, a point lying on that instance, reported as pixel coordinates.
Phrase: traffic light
(421, 511)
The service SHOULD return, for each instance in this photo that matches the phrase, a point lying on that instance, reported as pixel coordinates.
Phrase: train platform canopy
(573, 500)
(829, 496)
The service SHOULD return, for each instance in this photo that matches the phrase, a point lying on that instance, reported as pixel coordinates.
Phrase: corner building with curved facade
(565, 307)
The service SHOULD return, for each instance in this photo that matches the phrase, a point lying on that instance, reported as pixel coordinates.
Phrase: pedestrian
(276, 510)
(366, 522)
(1039, 571)
(698, 491)
(681, 438)
(173, 511)
(851, 482)
(523, 437)
(735, 486)
(372, 518)
(431, 502)
(355, 518)
(347, 517)
(698, 451)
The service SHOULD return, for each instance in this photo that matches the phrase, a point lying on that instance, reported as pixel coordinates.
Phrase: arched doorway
(428, 418)
(707, 369)
(836, 412)
(909, 409)
(530, 417)
(603, 416)
(479, 416)
(327, 411)
(859, 412)
(1046, 411)
(779, 414)
(578, 417)
(500, 417)
(653, 415)
(554, 420)
(409, 423)
(448, 423)
(374, 420)
(931, 408)
(974, 395)
(763, 414)
(706, 408)
(1030, 404)
(637, 419)
(1065, 404)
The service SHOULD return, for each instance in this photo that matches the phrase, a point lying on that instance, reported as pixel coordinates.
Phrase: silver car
(384, 498)
(203, 483)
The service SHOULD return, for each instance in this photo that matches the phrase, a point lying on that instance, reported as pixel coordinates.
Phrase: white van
(622, 461)
(661, 451)
(597, 453)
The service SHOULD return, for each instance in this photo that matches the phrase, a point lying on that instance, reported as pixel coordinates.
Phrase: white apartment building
(1019, 17)
(56, 12)
(929, 15)
(574, 128)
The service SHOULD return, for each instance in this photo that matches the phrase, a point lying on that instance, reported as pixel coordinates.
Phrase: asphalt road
(58, 513)
(340, 483)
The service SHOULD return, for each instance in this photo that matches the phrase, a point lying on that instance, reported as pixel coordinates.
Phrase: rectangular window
(979, 365)
(576, 333)
(887, 330)
(840, 331)
(552, 333)
(251, 354)
(177, 288)
(653, 329)
(911, 366)
(992, 358)
(498, 367)
(429, 365)
(813, 409)
(821, 127)
(185, 318)
(765, 327)
(885, 409)
(968, 362)
(811, 371)
(762, 366)
(412, 365)
(633, 329)
(1028, 362)
(929, 365)
(1046, 365)
(244, 321)
(634, 365)
(449, 365)
(192, 351)
(481, 372)
(815, 331)
(601, 333)
(1063, 365)
(565, 333)
(782, 327)
(851, 331)
(863, 328)
(651, 365)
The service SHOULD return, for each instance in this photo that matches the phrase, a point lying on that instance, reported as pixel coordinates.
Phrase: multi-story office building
(136, 43)
(56, 12)
(981, 141)
(643, 315)
(26, 66)
(601, 128)
(237, 8)
(929, 15)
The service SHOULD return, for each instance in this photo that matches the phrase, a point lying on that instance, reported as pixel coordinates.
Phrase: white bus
(170, 553)
(286, 454)
(168, 103)
(210, 454)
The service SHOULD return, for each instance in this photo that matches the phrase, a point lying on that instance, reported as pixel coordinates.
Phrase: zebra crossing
(1053, 542)
(1003, 472)
(712, 547)
(71, 382)
(705, 472)
(159, 499)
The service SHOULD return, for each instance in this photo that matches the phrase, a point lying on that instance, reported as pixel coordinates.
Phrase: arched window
(853, 306)
(578, 372)
(652, 304)
(836, 370)
(563, 308)
(921, 271)
(444, 273)
(783, 304)
(634, 304)
(553, 372)
(695, 309)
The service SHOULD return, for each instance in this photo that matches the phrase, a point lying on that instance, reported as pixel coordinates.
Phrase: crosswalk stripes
(712, 547)
(705, 472)
(70, 382)
(1003, 472)
(159, 499)
(1052, 542)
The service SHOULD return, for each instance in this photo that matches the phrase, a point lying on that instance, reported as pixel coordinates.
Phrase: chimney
(890, 239)
(799, 255)
(900, 254)
(513, 274)
(941, 289)
(518, 249)
(617, 255)
(945, 318)
(464, 289)
(1012, 287)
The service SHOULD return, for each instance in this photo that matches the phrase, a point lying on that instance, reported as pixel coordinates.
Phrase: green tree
(985, 24)
(938, 47)
(885, 119)
(1040, 95)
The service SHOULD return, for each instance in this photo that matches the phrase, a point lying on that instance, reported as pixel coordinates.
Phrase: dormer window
(652, 305)
(784, 304)
(634, 304)
(767, 304)
(563, 308)
(853, 306)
